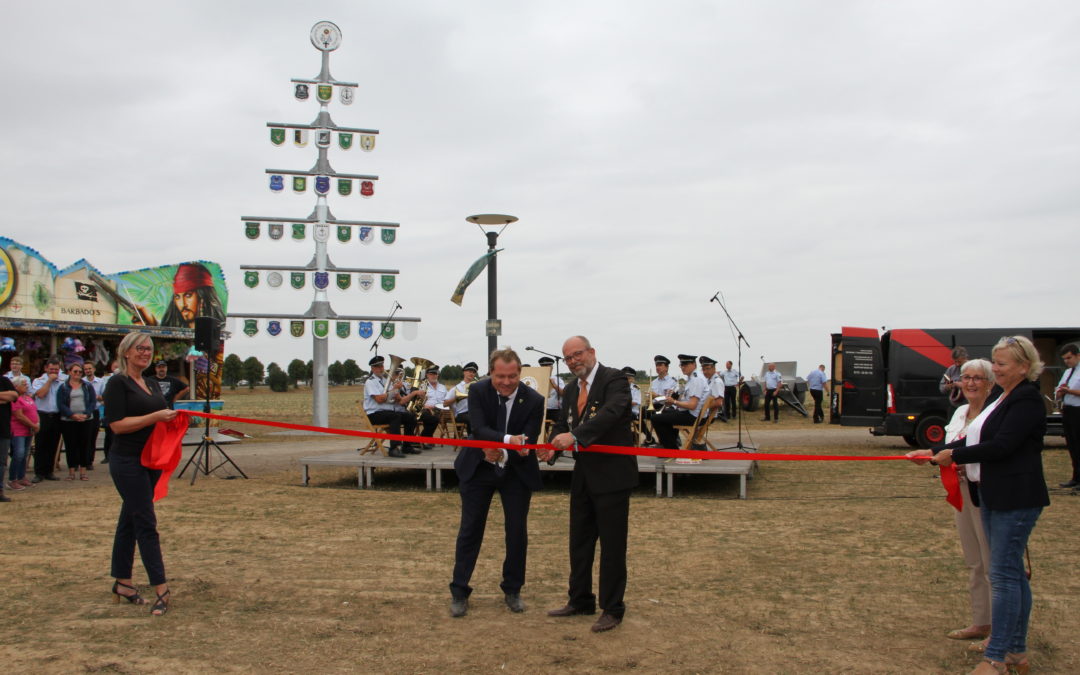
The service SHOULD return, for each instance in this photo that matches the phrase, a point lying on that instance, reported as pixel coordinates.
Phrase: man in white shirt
(773, 381)
(716, 385)
(1068, 390)
(663, 385)
(434, 395)
(732, 378)
(685, 410)
(379, 404)
(47, 441)
(458, 397)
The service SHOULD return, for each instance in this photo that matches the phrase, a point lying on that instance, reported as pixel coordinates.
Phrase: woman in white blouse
(976, 381)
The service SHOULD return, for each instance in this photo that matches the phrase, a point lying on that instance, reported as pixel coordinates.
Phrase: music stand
(200, 459)
(738, 391)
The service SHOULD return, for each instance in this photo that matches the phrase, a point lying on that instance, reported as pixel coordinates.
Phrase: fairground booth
(82, 313)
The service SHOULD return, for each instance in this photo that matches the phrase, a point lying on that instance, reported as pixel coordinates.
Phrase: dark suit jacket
(606, 421)
(1010, 452)
(526, 416)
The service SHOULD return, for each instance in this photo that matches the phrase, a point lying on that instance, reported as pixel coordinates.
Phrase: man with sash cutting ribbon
(501, 409)
(596, 411)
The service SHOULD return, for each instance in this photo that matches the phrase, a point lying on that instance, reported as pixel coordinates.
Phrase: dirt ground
(840, 567)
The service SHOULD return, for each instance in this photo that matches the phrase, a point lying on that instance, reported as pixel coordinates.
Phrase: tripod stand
(738, 391)
(200, 459)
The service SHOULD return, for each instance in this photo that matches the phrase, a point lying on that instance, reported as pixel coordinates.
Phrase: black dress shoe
(570, 610)
(396, 452)
(606, 622)
(459, 607)
(515, 603)
(51, 476)
(411, 450)
(4, 498)
(1070, 484)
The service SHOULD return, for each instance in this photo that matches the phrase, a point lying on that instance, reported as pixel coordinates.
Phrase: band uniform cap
(432, 369)
(471, 365)
(376, 361)
(686, 358)
(629, 371)
(660, 358)
(706, 361)
(546, 361)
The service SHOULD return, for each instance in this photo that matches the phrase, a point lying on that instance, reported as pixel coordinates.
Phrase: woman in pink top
(24, 424)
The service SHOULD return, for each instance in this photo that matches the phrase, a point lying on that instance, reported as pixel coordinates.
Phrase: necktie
(500, 414)
(500, 424)
(583, 396)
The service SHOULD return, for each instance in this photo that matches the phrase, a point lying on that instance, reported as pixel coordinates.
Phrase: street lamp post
(492, 220)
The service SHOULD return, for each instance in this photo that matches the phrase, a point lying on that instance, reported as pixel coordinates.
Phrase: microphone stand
(375, 345)
(738, 390)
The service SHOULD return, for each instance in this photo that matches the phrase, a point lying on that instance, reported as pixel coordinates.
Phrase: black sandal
(134, 598)
(161, 606)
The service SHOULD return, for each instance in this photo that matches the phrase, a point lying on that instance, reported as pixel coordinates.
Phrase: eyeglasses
(575, 356)
(144, 349)
(972, 378)
(76, 372)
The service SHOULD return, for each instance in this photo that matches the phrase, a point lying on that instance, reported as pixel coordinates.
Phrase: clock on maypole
(321, 180)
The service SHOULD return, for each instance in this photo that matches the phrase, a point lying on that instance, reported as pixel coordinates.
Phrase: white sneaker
(15, 486)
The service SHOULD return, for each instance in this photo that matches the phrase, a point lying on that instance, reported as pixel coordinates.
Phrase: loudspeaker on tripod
(207, 334)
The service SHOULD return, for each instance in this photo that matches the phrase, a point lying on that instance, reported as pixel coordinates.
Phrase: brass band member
(379, 397)
(435, 393)
(458, 397)
(663, 385)
(684, 411)
(716, 385)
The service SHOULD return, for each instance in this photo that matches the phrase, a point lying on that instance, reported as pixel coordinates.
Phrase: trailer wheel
(747, 400)
(911, 440)
(930, 431)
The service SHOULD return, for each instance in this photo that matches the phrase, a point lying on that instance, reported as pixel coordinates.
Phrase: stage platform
(441, 458)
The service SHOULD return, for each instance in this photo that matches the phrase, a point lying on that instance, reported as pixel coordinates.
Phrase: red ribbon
(951, 484)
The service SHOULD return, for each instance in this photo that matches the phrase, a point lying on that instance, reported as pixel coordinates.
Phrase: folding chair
(373, 444)
(699, 429)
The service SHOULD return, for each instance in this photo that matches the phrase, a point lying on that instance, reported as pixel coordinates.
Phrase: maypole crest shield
(298, 231)
(343, 329)
(297, 279)
(275, 230)
(251, 230)
(251, 327)
(345, 140)
(366, 234)
(367, 142)
(273, 279)
(296, 328)
(321, 280)
(251, 278)
(388, 331)
(389, 235)
(344, 233)
(388, 282)
(277, 183)
(365, 329)
(322, 184)
(277, 136)
(344, 186)
(321, 328)
(365, 282)
(344, 280)
(274, 328)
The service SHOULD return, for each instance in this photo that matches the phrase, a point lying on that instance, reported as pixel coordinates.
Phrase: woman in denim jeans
(24, 424)
(1006, 439)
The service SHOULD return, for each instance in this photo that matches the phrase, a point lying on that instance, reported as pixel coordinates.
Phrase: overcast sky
(901, 164)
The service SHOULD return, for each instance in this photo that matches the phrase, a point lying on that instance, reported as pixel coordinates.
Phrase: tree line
(236, 372)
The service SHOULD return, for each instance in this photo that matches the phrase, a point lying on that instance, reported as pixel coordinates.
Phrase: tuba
(395, 374)
(419, 381)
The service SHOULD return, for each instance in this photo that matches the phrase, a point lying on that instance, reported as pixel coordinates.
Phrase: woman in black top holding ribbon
(132, 408)
(1006, 439)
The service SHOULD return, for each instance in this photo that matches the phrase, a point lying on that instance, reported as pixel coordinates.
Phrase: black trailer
(890, 382)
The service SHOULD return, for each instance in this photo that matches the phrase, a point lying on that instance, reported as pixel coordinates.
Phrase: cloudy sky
(900, 164)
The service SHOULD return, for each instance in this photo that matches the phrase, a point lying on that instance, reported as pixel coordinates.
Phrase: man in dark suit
(596, 411)
(504, 410)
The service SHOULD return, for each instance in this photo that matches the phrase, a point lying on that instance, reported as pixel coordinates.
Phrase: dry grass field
(834, 567)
